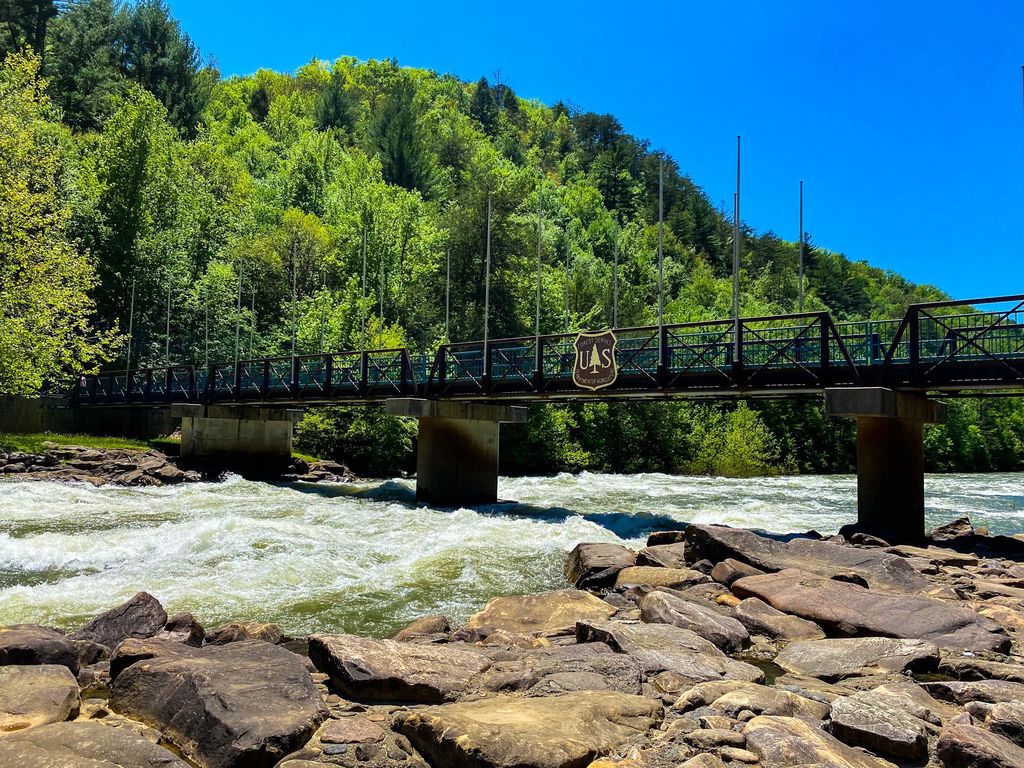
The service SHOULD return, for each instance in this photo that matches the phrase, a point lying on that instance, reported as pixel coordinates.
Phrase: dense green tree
(87, 83)
(397, 136)
(25, 23)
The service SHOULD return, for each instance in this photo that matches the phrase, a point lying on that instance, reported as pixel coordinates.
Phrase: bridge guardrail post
(737, 355)
(193, 393)
(364, 373)
(328, 375)
(293, 385)
(826, 338)
(663, 356)
(442, 367)
(265, 386)
(236, 386)
(538, 366)
(488, 367)
(914, 351)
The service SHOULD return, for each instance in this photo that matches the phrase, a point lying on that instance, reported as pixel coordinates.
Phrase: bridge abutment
(232, 432)
(457, 451)
(890, 456)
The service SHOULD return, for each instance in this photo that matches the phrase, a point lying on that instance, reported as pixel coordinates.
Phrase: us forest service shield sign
(595, 365)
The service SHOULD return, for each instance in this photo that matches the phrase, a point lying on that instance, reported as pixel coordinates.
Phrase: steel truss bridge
(954, 347)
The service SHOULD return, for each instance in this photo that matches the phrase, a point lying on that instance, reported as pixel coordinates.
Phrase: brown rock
(183, 628)
(594, 566)
(873, 722)
(547, 613)
(236, 631)
(83, 744)
(759, 618)
(31, 644)
(834, 659)
(424, 627)
(386, 670)
(989, 691)
(663, 555)
(661, 607)
(967, 746)
(848, 609)
(790, 741)
(1007, 719)
(546, 732)
(142, 616)
(36, 695)
(352, 730)
(660, 577)
(729, 570)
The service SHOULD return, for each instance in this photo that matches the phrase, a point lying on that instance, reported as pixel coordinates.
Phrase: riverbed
(367, 558)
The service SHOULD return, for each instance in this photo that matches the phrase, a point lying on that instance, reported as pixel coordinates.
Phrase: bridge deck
(940, 346)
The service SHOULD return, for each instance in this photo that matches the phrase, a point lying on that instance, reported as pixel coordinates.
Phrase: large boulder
(142, 616)
(243, 705)
(83, 744)
(547, 613)
(134, 650)
(730, 698)
(883, 572)
(425, 626)
(1007, 719)
(388, 670)
(876, 723)
(648, 576)
(595, 566)
(36, 695)
(662, 607)
(967, 746)
(834, 659)
(783, 741)
(546, 732)
(31, 644)
(561, 669)
(986, 691)
(663, 555)
(237, 631)
(845, 609)
(759, 618)
(665, 648)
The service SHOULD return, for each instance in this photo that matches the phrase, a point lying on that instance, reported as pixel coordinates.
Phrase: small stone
(352, 730)
(738, 755)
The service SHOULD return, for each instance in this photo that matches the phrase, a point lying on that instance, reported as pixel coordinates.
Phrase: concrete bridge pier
(457, 452)
(890, 456)
(236, 431)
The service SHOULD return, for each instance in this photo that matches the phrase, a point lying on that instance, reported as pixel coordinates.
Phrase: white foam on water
(368, 558)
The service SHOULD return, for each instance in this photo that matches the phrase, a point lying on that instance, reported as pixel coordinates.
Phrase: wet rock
(386, 670)
(665, 648)
(595, 566)
(83, 744)
(989, 691)
(660, 577)
(31, 644)
(547, 613)
(1007, 719)
(663, 556)
(884, 572)
(967, 746)
(243, 705)
(237, 631)
(590, 666)
(425, 626)
(834, 659)
(729, 570)
(547, 732)
(873, 722)
(183, 628)
(759, 618)
(785, 741)
(847, 609)
(142, 616)
(663, 607)
(36, 695)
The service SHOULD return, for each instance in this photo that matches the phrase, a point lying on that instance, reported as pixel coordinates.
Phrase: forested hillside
(131, 168)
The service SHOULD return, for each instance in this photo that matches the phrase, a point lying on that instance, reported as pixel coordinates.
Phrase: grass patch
(305, 457)
(33, 443)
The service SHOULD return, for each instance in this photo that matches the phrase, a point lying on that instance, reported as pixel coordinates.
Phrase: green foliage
(35, 442)
(24, 23)
(369, 441)
(45, 307)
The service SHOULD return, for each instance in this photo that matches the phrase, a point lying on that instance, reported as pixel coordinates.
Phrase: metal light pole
(206, 322)
(615, 278)
(295, 304)
(487, 287)
(252, 318)
(131, 326)
(536, 320)
(801, 245)
(447, 293)
(238, 313)
(661, 259)
(362, 305)
(568, 260)
(736, 256)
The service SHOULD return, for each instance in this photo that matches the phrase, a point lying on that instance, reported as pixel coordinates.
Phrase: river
(366, 558)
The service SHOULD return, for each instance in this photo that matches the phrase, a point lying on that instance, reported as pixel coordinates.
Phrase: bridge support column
(228, 431)
(457, 451)
(890, 456)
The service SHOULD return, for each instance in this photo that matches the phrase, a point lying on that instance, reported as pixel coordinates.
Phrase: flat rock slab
(759, 618)
(595, 565)
(835, 659)
(590, 666)
(547, 613)
(661, 607)
(142, 616)
(878, 724)
(967, 746)
(30, 644)
(548, 732)
(987, 691)
(850, 610)
(665, 648)
(782, 741)
(730, 698)
(83, 744)
(243, 705)
(883, 572)
(663, 555)
(388, 670)
(36, 695)
(649, 576)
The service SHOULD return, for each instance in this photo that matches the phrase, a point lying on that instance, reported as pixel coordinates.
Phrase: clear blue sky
(904, 119)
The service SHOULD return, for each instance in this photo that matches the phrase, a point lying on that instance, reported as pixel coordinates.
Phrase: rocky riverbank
(138, 468)
(710, 647)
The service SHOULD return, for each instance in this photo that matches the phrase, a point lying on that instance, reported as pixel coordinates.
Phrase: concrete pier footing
(230, 431)
(890, 456)
(457, 452)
